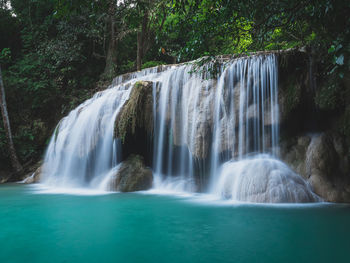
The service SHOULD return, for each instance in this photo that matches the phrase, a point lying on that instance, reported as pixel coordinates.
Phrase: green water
(153, 228)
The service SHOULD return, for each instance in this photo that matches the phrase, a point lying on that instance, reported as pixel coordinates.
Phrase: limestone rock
(326, 168)
(293, 152)
(34, 177)
(199, 124)
(322, 160)
(137, 112)
(132, 175)
(263, 180)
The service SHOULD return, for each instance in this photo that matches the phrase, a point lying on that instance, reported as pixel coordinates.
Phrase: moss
(207, 67)
(150, 64)
(137, 112)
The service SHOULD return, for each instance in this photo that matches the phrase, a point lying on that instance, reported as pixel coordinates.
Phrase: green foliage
(328, 96)
(48, 74)
(127, 67)
(52, 52)
(5, 56)
(150, 64)
(201, 28)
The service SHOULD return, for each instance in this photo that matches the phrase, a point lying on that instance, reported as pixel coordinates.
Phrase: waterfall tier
(219, 114)
(202, 121)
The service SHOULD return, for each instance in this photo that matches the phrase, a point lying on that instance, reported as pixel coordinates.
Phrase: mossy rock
(137, 112)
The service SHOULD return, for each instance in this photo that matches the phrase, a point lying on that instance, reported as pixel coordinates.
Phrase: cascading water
(83, 151)
(181, 107)
(83, 145)
(262, 179)
(208, 126)
(246, 111)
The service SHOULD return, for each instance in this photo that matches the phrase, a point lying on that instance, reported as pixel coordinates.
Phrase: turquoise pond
(41, 227)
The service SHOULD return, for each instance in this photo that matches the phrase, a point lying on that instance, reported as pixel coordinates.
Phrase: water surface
(37, 227)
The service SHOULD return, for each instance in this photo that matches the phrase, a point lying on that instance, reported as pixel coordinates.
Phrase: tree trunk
(139, 51)
(111, 57)
(142, 39)
(5, 117)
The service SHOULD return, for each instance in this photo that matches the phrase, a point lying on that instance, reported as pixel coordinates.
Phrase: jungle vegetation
(54, 54)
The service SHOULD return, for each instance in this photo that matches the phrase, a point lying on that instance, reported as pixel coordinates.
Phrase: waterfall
(246, 111)
(211, 125)
(83, 151)
(183, 101)
(83, 144)
(202, 121)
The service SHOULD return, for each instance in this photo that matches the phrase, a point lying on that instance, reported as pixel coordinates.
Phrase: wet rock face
(4, 176)
(131, 176)
(200, 123)
(137, 112)
(327, 168)
(323, 161)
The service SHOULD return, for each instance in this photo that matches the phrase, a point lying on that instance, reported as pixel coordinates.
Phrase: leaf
(331, 49)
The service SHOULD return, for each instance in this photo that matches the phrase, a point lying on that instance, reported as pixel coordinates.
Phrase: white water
(214, 121)
(83, 152)
(204, 127)
(262, 179)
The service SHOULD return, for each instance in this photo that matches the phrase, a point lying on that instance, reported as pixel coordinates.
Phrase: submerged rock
(263, 180)
(132, 175)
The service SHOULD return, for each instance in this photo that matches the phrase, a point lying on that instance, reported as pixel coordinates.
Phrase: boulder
(132, 175)
(326, 168)
(263, 179)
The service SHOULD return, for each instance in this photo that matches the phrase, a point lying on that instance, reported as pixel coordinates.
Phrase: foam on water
(262, 179)
(46, 189)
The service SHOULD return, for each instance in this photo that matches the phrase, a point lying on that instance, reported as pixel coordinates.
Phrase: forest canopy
(56, 53)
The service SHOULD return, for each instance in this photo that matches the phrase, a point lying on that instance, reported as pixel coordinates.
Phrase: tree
(152, 15)
(5, 117)
(117, 30)
(107, 26)
(142, 39)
